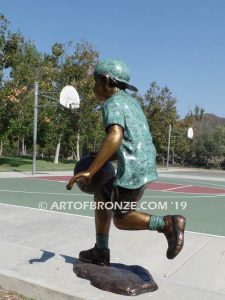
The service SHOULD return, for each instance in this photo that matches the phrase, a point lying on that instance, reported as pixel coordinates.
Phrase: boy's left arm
(109, 146)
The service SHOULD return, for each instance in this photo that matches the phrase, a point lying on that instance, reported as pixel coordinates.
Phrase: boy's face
(99, 89)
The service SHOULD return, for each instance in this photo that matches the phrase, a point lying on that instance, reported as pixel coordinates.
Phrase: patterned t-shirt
(136, 154)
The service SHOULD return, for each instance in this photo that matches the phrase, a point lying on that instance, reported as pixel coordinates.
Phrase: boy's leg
(103, 218)
(100, 254)
(129, 219)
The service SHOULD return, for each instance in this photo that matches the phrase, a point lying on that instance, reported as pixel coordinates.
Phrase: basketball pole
(35, 128)
(42, 94)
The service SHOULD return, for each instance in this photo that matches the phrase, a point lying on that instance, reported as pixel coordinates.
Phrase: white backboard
(69, 97)
(190, 133)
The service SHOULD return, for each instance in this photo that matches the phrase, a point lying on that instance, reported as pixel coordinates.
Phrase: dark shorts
(124, 200)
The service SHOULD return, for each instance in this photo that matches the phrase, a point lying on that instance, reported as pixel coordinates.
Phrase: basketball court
(44, 227)
(198, 200)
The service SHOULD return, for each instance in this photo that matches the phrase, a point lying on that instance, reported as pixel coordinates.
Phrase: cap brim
(132, 88)
(129, 86)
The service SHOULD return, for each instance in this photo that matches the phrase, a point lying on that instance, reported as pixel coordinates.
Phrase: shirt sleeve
(112, 115)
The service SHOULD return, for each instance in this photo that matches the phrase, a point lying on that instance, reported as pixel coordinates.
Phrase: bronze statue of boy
(129, 140)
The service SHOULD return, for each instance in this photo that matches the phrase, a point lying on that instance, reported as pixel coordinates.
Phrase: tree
(53, 71)
(160, 110)
(209, 147)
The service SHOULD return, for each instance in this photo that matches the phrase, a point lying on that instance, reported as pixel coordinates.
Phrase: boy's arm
(109, 146)
(113, 157)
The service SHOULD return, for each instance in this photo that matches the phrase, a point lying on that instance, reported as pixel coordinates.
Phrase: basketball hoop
(69, 97)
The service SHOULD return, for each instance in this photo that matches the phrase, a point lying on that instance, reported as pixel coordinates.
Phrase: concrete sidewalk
(38, 248)
(38, 174)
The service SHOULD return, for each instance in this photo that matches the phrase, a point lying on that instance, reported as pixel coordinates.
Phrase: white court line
(174, 179)
(206, 234)
(51, 180)
(218, 185)
(45, 210)
(176, 188)
(62, 213)
(197, 181)
(214, 184)
(42, 193)
(201, 195)
(193, 195)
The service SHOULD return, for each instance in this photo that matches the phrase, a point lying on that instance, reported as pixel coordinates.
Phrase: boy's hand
(82, 176)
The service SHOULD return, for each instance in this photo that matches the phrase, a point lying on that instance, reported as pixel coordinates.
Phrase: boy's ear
(112, 82)
(106, 82)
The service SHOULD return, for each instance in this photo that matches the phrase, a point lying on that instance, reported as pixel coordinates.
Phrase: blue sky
(177, 43)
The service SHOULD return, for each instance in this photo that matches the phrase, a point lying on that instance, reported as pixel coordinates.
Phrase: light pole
(189, 135)
(168, 148)
(35, 128)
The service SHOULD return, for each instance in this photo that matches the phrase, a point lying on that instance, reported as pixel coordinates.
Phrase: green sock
(156, 222)
(102, 241)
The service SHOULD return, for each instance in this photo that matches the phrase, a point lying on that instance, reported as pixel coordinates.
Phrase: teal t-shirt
(136, 163)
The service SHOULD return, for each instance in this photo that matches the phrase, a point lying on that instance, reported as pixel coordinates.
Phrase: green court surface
(202, 173)
(205, 211)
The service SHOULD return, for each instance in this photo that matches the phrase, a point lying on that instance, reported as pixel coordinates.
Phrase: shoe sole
(179, 233)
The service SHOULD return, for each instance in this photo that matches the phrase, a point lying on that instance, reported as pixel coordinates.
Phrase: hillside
(211, 119)
(208, 122)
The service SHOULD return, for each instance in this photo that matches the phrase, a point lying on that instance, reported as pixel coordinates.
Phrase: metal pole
(168, 149)
(35, 128)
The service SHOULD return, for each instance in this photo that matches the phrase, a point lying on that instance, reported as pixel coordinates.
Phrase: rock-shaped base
(117, 278)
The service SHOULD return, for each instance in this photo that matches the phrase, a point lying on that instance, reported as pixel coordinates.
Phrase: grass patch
(20, 164)
(10, 295)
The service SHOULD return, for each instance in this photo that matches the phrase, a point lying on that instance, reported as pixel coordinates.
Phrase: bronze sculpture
(128, 140)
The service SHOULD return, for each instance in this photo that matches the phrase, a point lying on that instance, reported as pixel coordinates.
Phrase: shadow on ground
(46, 255)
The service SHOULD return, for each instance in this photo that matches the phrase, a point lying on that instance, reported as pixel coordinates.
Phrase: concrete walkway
(38, 174)
(38, 248)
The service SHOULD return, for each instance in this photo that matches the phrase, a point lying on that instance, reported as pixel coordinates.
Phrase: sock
(156, 222)
(102, 241)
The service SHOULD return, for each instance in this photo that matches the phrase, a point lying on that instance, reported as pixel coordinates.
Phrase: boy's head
(110, 76)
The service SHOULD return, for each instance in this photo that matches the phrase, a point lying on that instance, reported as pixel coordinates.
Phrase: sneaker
(174, 233)
(95, 256)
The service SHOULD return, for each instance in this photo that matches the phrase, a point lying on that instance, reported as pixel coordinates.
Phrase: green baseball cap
(116, 69)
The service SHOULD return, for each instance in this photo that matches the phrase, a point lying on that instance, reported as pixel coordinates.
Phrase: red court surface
(157, 186)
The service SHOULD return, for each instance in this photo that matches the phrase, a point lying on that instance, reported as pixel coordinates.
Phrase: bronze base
(117, 278)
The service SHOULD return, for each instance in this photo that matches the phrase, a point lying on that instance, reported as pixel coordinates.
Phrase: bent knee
(120, 221)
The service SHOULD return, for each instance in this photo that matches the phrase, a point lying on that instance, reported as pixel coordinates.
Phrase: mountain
(208, 122)
(212, 120)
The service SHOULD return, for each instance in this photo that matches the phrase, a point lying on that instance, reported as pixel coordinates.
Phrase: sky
(177, 43)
